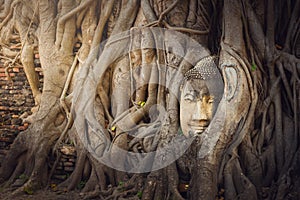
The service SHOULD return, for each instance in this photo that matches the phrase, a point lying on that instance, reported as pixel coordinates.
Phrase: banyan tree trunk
(111, 88)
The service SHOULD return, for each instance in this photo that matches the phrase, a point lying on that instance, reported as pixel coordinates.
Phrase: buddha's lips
(198, 129)
(197, 126)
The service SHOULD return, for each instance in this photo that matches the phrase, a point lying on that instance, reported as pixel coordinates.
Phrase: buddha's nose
(200, 111)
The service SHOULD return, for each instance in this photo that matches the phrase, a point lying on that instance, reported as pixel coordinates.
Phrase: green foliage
(28, 190)
(81, 184)
(139, 194)
(253, 66)
(180, 132)
(23, 177)
(121, 184)
(65, 176)
(71, 142)
(53, 187)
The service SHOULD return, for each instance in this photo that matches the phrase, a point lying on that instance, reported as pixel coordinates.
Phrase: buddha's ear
(183, 82)
(181, 87)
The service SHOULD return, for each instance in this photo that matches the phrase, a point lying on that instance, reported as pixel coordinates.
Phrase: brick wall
(15, 99)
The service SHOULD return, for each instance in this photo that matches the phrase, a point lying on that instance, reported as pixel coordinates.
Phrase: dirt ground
(42, 195)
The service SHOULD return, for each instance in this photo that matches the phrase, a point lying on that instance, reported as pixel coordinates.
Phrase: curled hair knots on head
(205, 69)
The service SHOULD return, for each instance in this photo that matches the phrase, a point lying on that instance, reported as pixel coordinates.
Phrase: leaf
(121, 183)
(142, 103)
(53, 187)
(27, 190)
(253, 67)
(113, 128)
(139, 194)
(180, 132)
(81, 185)
(23, 177)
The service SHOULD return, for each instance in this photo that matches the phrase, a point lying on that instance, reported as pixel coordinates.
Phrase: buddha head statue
(201, 92)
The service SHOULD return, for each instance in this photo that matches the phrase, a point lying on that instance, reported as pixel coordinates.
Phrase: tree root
(26, 165)
(132, 187)
(10, 13)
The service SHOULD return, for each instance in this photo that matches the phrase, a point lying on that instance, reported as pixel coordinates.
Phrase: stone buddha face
(200, 95)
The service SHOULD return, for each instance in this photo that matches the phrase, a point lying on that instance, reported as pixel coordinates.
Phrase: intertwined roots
(146, 79)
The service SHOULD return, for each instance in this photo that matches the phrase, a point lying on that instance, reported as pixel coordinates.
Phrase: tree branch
(47, 13)
(6, 10)
(106, 9)
(9, 15)
(291, 28)
(62, 21)
(148, 11)
(66, 39)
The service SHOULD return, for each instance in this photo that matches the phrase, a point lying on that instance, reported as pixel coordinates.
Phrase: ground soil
(46, 194)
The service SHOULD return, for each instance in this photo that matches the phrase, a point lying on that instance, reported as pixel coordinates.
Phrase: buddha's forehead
(196, 85)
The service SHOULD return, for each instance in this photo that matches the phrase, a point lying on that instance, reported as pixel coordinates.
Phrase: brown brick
(3, 92)
(60, 177)
(22, 128)
(13, 92)
(4, 108)
(72, 160)
(16, 121)
(38, 69)
(15, 98)
(26, 125)
(3, 152)
(16, 69)
(68, 164)
(6, 139)
(19, 83)
(69, 169)
(20, 78)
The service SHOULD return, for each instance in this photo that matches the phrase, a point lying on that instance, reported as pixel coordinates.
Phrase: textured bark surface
(98, 85)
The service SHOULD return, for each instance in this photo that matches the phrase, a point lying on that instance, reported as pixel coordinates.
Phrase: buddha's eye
(189, 97)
